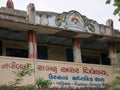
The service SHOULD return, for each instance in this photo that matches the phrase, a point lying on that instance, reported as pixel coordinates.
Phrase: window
(90, 59)
(0, 48)
(42, 52)
(69, 53)
(16, 52)
(105, 59)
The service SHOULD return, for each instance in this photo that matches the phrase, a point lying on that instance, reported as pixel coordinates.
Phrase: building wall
(61, 74)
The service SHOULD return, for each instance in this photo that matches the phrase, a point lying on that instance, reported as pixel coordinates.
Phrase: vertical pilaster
(109, 23)
(32, 34)
(77, 50)
(31, 13)
(112, 46)
(112, 53)
(32, 44)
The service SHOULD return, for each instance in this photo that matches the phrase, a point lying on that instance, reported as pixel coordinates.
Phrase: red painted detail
(70, 70)
(77, 42)
(112, 48)
(14, 65)
(10, 4)
(48, 68)
(94, 71)
(32, 44)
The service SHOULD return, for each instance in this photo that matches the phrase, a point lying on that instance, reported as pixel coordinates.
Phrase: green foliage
(41, 83)
(20, 74)
(108, 1)
(31, 87)
(116, 3)
(115, 84)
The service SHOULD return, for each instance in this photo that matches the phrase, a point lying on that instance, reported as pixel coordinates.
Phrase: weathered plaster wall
(71, 20)
(13, 14)
(61, 74)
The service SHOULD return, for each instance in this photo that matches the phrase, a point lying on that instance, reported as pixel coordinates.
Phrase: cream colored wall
(10, 64)
(89, 74)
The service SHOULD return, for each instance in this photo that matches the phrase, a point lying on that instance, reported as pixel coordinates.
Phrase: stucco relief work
(72, 20)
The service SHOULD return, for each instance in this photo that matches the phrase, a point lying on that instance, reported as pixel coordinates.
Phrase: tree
(116, 3)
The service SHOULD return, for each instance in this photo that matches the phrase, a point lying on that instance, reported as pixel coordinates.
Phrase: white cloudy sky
(93, 9)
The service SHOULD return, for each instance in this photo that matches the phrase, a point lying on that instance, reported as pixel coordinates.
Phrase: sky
(92, 9)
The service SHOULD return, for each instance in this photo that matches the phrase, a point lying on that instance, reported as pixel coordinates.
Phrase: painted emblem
(61, 19)
(75, 20)
(70, 20)
(89, 25)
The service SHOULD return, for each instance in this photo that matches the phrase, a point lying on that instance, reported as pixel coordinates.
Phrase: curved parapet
(71, 20)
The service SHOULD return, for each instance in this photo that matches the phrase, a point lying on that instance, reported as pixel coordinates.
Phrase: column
(32, 34)
(32, 44)
(109, 23)
(77, 50)
(112, 46)
(112, 53)
(31, 14)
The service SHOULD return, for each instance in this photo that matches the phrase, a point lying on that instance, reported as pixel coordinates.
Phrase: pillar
(109, 23)
(32, 44)
(77, 50)
(31, 13)
(112, 46)
(32, 34)
(112, 53)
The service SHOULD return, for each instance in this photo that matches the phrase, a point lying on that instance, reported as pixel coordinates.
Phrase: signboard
(61, 74)
(64, 74)
(10, 64)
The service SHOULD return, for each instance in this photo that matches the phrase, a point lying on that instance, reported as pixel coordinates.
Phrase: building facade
(68, 48)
